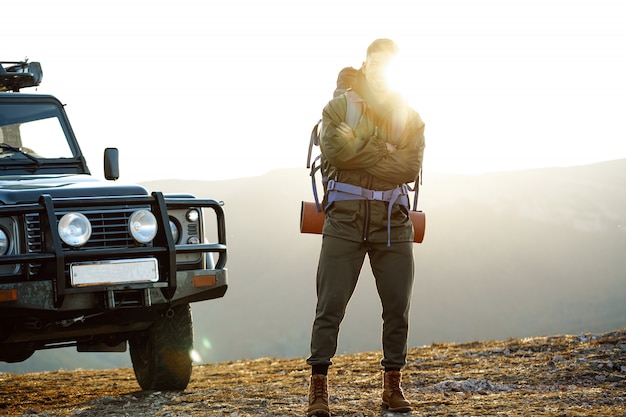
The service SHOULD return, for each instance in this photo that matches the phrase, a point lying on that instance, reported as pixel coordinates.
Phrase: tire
(161, 356)
(17, 352)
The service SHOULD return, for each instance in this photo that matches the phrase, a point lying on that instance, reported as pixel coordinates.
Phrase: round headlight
(143, 226)
(193, 215)
(74, 229)
(5, 243)
(175, 231)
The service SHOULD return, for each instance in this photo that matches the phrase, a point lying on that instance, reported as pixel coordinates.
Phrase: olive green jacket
(365, 162)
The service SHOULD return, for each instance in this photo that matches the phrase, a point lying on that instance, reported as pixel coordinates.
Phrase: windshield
(33, 129)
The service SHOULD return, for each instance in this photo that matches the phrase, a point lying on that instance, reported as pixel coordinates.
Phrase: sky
(220, 89)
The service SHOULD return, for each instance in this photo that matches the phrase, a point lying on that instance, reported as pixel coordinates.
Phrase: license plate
(114, 272)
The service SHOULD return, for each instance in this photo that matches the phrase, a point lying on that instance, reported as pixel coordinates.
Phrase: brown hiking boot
(318, 397)
(393, 397)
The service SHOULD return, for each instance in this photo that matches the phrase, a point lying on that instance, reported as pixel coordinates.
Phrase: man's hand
(346, 131)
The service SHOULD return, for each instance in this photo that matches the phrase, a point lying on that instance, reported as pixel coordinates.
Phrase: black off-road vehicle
(93, 264)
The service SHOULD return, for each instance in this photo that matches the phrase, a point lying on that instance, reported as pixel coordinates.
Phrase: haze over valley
(509, 254)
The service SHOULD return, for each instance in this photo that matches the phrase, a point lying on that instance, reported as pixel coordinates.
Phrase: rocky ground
(571, 375)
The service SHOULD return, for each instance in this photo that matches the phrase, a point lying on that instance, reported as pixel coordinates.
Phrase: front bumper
(116, 310)
(54, 291)
(191, 286)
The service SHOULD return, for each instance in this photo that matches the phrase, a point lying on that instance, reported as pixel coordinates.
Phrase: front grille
(33, 233)
(109, 229)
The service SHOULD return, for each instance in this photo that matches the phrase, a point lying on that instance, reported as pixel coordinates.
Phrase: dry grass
(580, 375)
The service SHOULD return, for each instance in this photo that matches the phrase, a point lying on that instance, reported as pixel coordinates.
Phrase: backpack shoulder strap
(313, 141)
(398, 122)
(416, 189)
(316, 164)
(355, 108)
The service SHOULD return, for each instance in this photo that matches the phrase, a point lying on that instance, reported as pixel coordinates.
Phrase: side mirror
(111, 164)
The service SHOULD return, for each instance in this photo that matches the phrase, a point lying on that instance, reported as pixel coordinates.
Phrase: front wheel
(161, 355)
(15, 352)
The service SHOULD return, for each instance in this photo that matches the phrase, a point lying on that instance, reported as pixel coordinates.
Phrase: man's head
(379, 55)
(382, 45)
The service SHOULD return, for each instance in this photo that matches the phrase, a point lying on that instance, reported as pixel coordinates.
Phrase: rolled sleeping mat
(312, 221)
(418, 218)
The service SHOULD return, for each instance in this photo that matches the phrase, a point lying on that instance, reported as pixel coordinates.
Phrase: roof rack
(15, 75)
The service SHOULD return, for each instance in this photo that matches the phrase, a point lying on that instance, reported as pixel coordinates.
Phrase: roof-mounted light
(15, 75)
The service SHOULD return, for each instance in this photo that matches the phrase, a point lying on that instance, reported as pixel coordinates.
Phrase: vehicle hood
(27, 189)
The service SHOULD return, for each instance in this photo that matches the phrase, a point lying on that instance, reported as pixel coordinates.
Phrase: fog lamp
(74, 229)
(143, 226)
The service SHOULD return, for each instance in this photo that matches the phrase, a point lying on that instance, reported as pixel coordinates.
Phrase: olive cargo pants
(337, 275)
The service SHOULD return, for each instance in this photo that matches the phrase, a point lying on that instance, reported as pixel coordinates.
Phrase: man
(372, 145)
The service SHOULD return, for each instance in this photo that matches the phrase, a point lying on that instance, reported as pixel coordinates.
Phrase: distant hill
(509, 254)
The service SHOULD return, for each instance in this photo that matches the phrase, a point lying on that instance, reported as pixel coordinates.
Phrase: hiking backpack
(312, 214)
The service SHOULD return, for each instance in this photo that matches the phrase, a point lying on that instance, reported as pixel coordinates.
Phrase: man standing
(372, 145)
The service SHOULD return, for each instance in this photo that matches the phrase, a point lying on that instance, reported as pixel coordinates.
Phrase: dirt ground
(569, 375)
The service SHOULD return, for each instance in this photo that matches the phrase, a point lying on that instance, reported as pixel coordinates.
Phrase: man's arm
(403, 163)
(341, 147)
(399, 167)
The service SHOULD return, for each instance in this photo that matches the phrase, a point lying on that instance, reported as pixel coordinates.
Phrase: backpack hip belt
(338, 191)
(341, 191)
